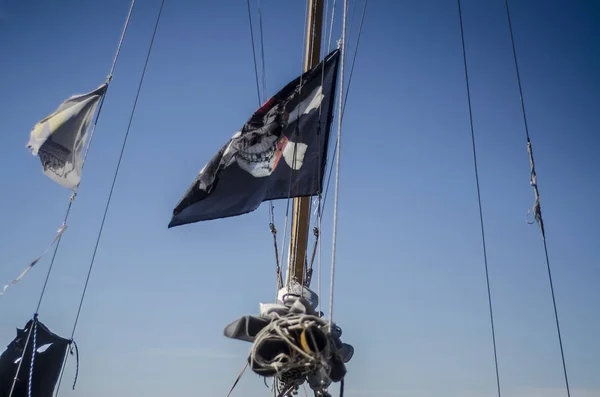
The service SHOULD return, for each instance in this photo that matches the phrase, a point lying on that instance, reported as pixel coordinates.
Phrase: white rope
(331, 26)
(321, 201)
(319, 267)
(337, 165)
(30, 384)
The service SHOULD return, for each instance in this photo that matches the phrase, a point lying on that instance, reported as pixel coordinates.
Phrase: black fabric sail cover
(280, 152)
(50, 353)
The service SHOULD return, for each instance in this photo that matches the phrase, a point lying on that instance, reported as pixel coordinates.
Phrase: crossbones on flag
(280, 152)
(59, 138)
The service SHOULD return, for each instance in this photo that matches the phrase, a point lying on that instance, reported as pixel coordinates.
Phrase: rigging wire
(347, 88)
(289, 199)
(352, 19)
(319, 211)
(308, 59)
(346, 97)
(485, 261)
(331, 27)
(253, 52)
(272, 227)
(262, 54)
(237, 379)
(304, 54)
(537, 209)
(321, 201)
(74, 194)
(116, 174)
(324, 36)
(318, 175)
(262, 100)
(337, 167)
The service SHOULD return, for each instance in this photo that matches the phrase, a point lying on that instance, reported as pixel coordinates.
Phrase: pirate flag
(279, 153)
(50, 350)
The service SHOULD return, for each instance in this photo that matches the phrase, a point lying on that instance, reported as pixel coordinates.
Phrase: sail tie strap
(536, 209)
(58, 235)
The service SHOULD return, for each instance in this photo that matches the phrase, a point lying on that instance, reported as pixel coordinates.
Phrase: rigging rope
(331, 27)
(318, 221)
(272, 227)
(32, 330)
(30, 385)
(337, 166)
(321, 198)
(262, 54)
(346, 97)
(485, 261)
(116, 174)
(253, 52)
(61, 230)
(537, 209)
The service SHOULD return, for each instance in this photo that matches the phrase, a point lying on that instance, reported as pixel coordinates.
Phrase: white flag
(59, 138)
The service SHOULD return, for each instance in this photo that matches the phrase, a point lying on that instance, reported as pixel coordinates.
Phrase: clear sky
(410, 286)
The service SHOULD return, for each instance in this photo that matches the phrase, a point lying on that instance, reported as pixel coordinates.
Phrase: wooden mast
(301, 208)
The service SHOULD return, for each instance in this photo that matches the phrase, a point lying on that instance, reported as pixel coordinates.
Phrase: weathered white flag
(59, 138)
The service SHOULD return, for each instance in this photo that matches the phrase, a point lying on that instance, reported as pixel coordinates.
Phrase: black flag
(50, 353)
(280, 152)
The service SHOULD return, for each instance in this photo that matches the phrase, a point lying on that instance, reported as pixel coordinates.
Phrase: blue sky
(410, 286)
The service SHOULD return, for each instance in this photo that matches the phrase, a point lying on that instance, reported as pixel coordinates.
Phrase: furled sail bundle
(280, 152)
(59, 138)
(291, 341)
(40, 376)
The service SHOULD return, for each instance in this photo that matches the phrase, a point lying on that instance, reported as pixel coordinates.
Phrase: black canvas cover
(279, 152)
(50, 353)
